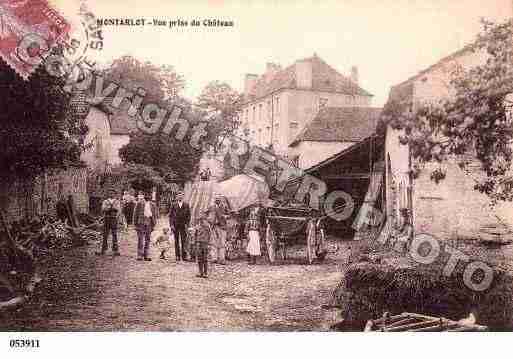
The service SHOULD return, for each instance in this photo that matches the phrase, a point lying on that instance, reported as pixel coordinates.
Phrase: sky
(388, 40)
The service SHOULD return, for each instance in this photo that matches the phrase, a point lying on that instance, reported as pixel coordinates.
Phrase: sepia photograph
(249, 166)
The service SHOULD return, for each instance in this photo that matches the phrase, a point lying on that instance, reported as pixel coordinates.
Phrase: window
(260, 112)
(277, 105)
(254, 113)
(323, 102)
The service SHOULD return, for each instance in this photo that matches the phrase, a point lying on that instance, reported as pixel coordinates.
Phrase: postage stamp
(28, 30)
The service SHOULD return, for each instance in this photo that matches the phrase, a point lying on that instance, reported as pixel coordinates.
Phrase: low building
(354, 170)
(121, 125)
(332, 130)
(97, 155)
(451, 208)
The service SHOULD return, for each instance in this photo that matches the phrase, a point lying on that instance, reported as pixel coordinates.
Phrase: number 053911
(24, 343)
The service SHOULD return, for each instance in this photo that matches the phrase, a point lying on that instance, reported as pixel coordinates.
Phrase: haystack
(372, 289)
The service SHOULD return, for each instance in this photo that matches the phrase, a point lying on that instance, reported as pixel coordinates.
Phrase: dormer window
(323, 102)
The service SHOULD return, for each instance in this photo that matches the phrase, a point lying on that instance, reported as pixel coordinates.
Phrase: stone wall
(27, 198)
(452, 208)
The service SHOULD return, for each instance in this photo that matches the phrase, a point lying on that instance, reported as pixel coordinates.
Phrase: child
(163, 241)
(203, 238)
(253, 232)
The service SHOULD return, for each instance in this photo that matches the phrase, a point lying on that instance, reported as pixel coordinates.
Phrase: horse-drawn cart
(286, 226)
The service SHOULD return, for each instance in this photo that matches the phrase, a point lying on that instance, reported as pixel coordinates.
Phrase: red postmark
(28, 30)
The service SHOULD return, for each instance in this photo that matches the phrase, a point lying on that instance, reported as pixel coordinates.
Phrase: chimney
(271, 70)
(249, 83)
(354, 74)
(304, 74)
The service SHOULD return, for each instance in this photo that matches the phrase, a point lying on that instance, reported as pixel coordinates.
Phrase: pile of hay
(372, 289)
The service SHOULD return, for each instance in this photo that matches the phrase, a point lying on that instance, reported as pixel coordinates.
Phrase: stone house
(109, 130)
(332, 130)
(121, 125)
(98, 139)
(452, 208)
(281, 102)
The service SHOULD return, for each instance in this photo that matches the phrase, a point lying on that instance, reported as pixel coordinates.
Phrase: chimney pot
(354, 74)
(249, 83)
(271, 70)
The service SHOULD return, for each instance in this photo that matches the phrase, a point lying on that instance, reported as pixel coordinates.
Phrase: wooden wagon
(289, 225)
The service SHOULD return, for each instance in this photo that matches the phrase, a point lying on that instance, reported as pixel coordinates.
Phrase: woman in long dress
(253, 233)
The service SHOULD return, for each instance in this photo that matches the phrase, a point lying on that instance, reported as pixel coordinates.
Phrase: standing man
(145, 219)
(179, 218)
(219, 228)
(111, 209)
(61, 209)
(128, 207)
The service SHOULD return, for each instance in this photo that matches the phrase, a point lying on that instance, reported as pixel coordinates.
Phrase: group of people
(205, 240)
(142, 214)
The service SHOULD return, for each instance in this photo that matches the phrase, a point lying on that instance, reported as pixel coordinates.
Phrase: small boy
(203, 234)
(163, 241)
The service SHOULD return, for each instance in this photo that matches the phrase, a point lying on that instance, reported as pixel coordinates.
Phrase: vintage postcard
(255, 166)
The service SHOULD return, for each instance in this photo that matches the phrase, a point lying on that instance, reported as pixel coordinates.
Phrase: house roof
(404, 91)
(364, 142)
(120, 122)
(324, 79)
(340, 124)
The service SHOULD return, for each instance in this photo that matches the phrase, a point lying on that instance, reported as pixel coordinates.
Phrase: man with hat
(145, 220)
(218, 213)
(111, 209)
(179, 218)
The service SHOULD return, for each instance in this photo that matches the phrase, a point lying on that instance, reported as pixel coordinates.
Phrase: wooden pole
(10, 240)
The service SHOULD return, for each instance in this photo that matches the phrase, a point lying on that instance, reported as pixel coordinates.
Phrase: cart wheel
(309, 243)
(322, 256)
(269, 240)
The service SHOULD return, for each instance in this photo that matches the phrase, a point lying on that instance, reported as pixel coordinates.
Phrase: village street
(81, 291)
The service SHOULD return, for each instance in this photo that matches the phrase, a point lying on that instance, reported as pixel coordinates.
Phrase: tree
(477, 119)
(171, 158)
(160, 82)
(220, 97)
(164, 155)
(41, 128)
(137, 176)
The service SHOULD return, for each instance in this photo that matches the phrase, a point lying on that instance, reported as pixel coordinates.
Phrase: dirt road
(84, 292)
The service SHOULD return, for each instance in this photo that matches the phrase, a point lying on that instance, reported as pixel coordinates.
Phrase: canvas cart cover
(200, 196)
(242, 191)
(237, 193)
